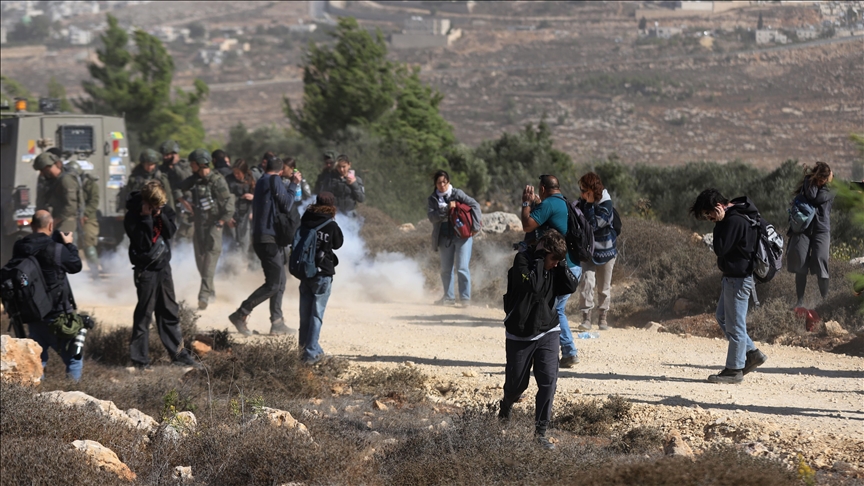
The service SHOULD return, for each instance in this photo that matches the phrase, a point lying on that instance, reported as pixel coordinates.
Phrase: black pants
(543, 355)
(272, 258)
(155, 294)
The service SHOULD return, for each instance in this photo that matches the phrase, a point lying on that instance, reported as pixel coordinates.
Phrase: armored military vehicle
(98, 143)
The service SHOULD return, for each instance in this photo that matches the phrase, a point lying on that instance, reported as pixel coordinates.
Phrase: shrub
(402, 383)
(593, 417)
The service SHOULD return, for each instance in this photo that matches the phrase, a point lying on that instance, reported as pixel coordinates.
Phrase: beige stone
(104, 459)
(501, 222)
(281, 418)
(833, 328)
(20, 360)
(674, 445)
(653, 326)
(132, 418)
(199, 348)
(183, 473)
(179, 426)
(407, 227)
(379, 406)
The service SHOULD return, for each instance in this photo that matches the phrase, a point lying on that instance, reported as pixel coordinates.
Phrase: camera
(78, 342)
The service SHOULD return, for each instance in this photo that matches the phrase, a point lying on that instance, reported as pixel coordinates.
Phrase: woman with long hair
(241, 183)
(808, 250)
(596, 205)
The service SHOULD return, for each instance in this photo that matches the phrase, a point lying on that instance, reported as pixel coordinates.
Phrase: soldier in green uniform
(89, 230)
(61, 193)
(213, 208)
(178, 170)
(146, 170)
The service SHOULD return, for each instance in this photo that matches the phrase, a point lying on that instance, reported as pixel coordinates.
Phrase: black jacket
(347, 195)
(735, 239)
(531, 292)
(42, 247)
(329, 238)
(140, 230)
(822, 199)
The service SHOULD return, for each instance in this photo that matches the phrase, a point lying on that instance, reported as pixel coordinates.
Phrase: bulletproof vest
(202, 195)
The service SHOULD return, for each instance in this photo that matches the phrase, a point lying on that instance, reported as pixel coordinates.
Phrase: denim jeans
(40, 333)
(732, 317)
(314, 293)
(456, 255)
(568, 347)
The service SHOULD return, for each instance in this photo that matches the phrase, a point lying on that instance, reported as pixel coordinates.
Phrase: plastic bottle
(587, 335)
(298, 193)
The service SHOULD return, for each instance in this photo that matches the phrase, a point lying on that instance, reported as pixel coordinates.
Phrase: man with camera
(150, 226)
(57, 256)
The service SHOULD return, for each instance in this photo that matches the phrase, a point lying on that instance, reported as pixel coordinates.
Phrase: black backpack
(616, 222)
(285, 225)
(580, 234)
(768, 257)
(23, 290)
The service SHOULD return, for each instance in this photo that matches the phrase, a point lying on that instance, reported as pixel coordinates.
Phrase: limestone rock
(833, 328)
(406, 228)
(200, 348)
(653, 326)
(501, 222)
(20, 360)
(674, 445)
(132, 418)
(281, 418)
(183, 473)
(379, 406)
(857, 261)
(104, 458)
(179, 426)
(469, 374)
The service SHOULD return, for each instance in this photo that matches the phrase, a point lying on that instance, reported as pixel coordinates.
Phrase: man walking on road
(539, 214)
(270, 196)
(735, 242)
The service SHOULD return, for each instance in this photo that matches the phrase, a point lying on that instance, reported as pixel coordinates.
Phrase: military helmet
(149, 156)
(169, 146)
(72, 166)
(44, 160)
(201, 157)
(330, 156)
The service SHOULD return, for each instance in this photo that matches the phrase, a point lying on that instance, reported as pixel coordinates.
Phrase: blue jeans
(40, 333)
(732, 317)
(568, 347)
(456, 255)
(314, 293)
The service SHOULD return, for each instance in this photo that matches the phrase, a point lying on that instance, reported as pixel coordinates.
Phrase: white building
(807, 34)
(765, 36)
(419, 33)
(79, 37)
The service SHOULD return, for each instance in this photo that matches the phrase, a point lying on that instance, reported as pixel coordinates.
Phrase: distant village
(659, 20)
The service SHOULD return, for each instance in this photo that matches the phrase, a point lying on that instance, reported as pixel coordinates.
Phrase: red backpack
(461, 219)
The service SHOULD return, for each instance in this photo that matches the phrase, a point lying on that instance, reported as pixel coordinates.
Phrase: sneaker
(568, 362)
(586, 322)
(754, 360)
(239, 321)
(505, 411)
(602, 324)
(727, 376)
(278, 328)
(183, 359)
(545, 443)
(445, 302)
(464, 304)
(202, 305)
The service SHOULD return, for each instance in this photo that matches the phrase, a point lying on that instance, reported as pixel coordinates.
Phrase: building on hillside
(419, 33)
(302, 28)
(807, 33)
(165, 33)
(664, 32)
(767, 36)
(79, 37)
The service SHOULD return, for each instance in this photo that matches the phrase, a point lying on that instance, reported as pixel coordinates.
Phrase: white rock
(104, 458)
(501, 222)
(132, 418)
(281, 418)
(20, 360)
(183, 473)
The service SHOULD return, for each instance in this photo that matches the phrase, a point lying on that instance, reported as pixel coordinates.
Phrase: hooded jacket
(329, 237)
(735, 239)
(141, 231)
(531, 292)
(440, 216)
(43, 247)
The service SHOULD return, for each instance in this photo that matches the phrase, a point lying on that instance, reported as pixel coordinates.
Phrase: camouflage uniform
(60, 196)
(89, 231)
(212, 202)
(176, 174)
(139, 177)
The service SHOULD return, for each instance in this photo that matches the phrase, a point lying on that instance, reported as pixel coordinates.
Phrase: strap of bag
(69, 304)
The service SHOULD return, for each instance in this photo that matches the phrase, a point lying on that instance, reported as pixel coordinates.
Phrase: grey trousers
(809, 253)
(602, 275)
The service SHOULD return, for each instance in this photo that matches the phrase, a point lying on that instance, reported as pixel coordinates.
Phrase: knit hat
(44, 160)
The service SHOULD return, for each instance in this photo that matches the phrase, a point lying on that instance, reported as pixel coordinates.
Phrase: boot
(602, 324)
(278, 328)
(586, 321)
(239, 320)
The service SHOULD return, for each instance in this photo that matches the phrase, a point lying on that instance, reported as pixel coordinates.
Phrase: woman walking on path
(455, 251)
(808, 250)
(597, 208)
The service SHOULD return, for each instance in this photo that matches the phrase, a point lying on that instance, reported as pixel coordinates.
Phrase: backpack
(616, 221)
(285, 225)
(580, 234)
(304, 249)
(461, 219)
(768, 257)
(801, 214)
(23, 289)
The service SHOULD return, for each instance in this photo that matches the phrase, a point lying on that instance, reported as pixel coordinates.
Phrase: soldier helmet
(56, 151)
(44, 160)
(201, 157)
(330, 156)
(169, 146)
(149, 156)
(72, 166)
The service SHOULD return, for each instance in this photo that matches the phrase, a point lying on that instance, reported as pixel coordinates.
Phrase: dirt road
(796, 388)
